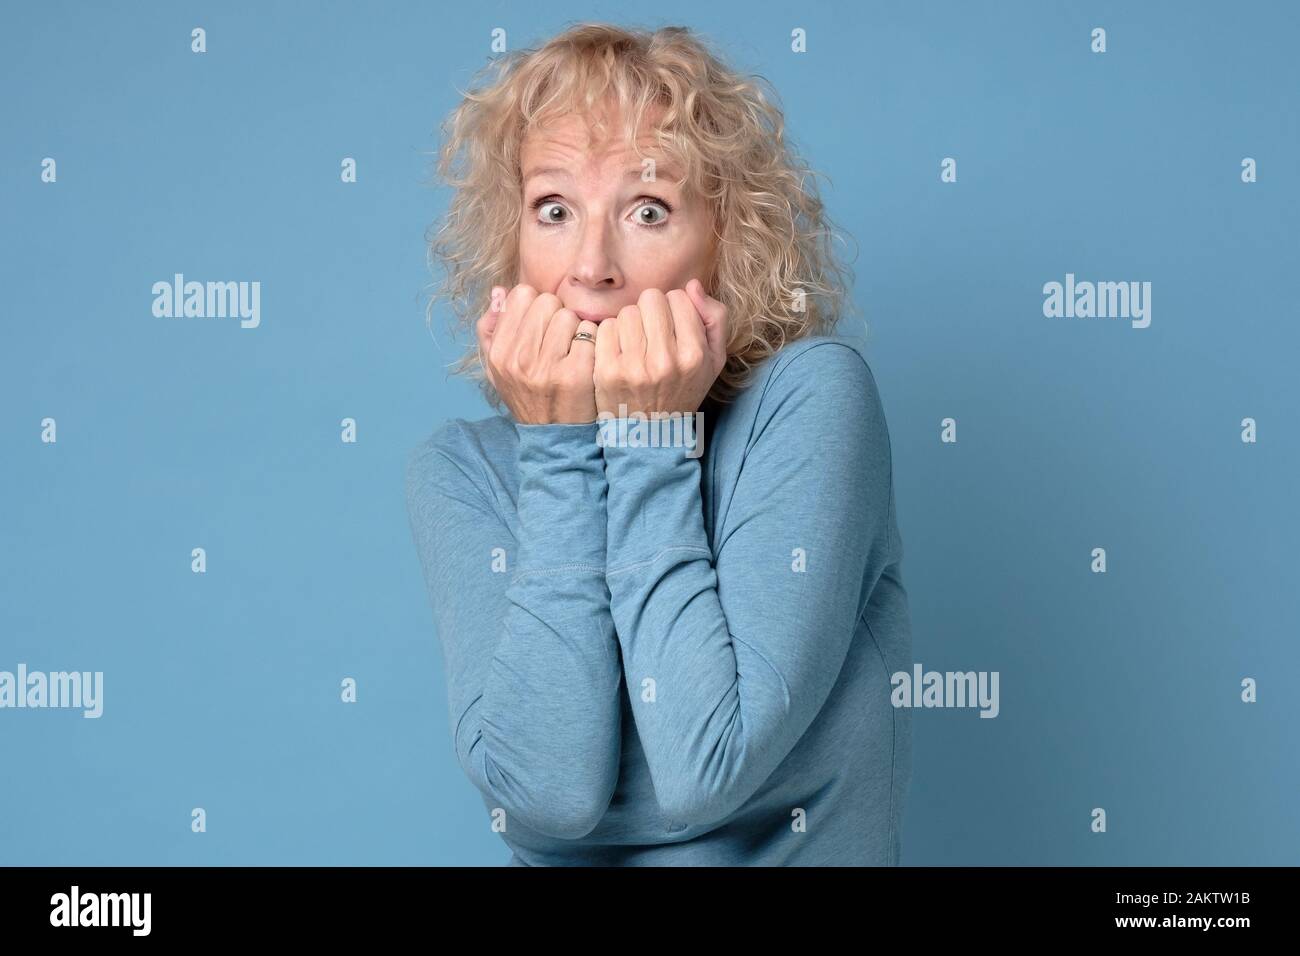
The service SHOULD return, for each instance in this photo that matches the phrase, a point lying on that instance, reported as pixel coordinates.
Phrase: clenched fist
(661, 355)
(531, 358)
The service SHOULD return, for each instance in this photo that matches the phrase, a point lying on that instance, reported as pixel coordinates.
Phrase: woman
(659, 652)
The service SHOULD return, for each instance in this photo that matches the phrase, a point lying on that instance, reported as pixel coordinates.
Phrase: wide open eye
(550, 212)
(652, 212)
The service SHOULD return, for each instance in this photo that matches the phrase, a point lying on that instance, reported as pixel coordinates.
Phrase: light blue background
(222, 690)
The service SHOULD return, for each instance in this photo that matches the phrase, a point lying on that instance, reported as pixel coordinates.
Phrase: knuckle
(521, 295)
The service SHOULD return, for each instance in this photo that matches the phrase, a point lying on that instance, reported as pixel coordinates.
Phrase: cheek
(538, 262)
(671, 265)
(688, 262)
(690, 256)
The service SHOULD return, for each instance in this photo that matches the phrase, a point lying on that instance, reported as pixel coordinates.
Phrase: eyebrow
(633, 173)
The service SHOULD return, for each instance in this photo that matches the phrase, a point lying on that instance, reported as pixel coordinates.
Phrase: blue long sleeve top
(660, 657)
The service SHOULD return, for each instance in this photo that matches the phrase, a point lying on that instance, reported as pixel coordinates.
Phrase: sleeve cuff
(562, 491)
(654, 499)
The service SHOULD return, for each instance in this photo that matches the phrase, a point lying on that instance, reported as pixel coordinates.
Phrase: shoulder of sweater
(813, 383)
(458, 445)
(831, 365)
(818, 383)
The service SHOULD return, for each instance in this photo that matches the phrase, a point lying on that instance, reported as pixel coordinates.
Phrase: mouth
(591, 316)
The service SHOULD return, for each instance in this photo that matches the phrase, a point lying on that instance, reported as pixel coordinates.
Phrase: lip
(590, 316)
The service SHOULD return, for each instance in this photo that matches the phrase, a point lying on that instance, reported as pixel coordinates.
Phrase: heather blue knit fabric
(659, 658)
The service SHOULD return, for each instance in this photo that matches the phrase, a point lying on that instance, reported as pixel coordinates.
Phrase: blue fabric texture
(660, 657)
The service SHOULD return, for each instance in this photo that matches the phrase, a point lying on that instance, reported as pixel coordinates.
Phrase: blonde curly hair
(775, 267)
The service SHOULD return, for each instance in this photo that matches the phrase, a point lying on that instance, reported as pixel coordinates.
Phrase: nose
(595, 261)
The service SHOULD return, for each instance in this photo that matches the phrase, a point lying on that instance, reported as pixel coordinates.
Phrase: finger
(607, 347)
(584, 350)
(657, 321)
(714, 314)
(688, 326)
(532, 328)
(491, 318)
(517, 302)
(631, 333)
(486, 328)
(559, 334)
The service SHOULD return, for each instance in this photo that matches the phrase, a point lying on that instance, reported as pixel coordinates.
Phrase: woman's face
(594, 233)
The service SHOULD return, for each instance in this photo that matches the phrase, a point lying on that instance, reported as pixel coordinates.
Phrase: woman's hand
(661, 355)
(529, 355)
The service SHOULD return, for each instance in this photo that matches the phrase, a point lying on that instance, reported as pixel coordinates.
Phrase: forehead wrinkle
(632, 172)
(559, 151)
